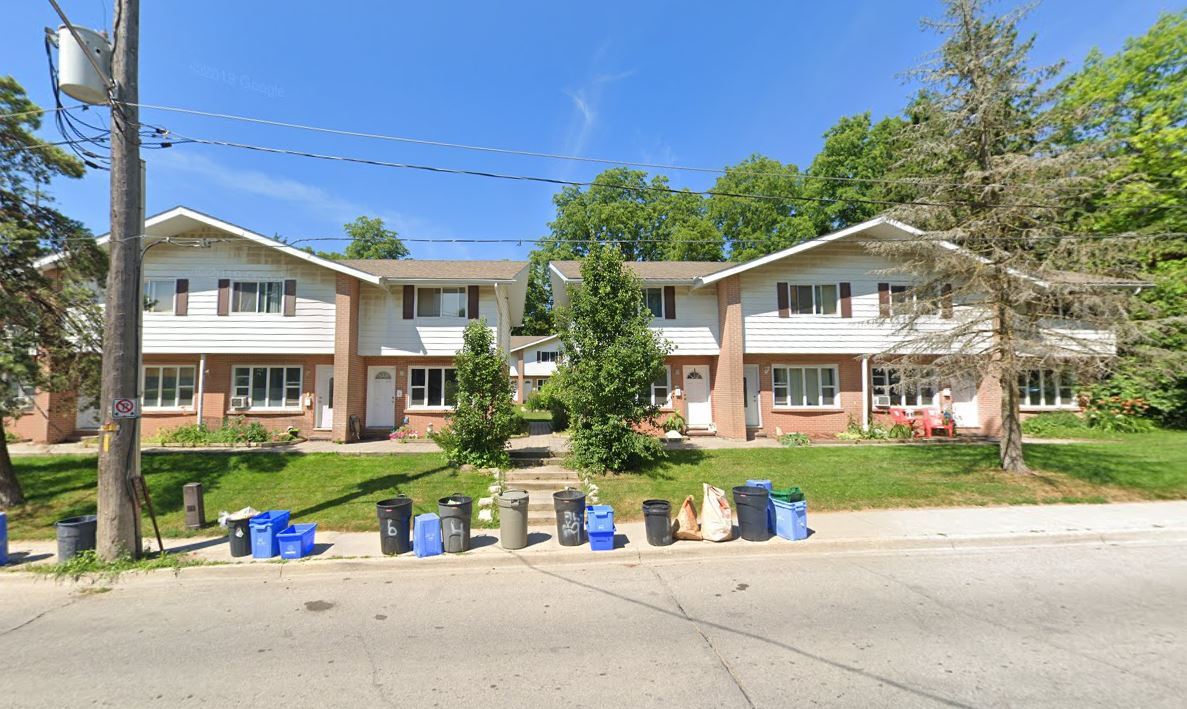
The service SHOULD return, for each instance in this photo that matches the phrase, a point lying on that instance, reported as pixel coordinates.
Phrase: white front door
(964, 402)
(325, 396)
(381, 397)
(696, 393)
(751, 400)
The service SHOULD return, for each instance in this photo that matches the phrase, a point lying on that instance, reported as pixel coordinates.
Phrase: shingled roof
(418, 269)
(651, 270)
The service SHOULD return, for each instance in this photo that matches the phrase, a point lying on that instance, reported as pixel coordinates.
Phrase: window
(158, 296)
(1046, 387)
(168, 387)
(257, 296)
(655, 301)
(888, 381)
(905, 300)
(22, 396)
(661, 389)
(440, 302)
(547, 356)
(533, 384)
(805, 386)
(813, 300)
(433, 386)
(268, 387)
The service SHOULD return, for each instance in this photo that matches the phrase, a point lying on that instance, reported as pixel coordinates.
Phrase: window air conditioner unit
(882, 402)
(239, 402)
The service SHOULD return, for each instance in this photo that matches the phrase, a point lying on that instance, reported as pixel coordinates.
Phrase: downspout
(865, 391)
(201, 385)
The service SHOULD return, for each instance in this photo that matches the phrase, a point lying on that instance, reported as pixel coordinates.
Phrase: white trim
(465, 302)
(201, 388)
(814, 286)
(186, 212)
(168, 409)
(866, 402)
(258, 282)
(806, 246)
(666, 404)
(428, 407)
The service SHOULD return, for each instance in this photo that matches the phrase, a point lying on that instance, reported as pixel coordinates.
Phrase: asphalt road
(1075, 625)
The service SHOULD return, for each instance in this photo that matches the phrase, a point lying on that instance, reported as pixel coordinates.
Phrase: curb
(683, 552)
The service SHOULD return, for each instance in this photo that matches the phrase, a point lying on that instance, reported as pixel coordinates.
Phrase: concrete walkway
(831, 532)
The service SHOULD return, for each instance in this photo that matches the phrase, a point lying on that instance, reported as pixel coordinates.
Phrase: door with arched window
(696, 394)
(381, 397)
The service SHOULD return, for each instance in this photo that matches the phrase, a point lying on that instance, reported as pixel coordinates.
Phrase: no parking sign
(124, 409)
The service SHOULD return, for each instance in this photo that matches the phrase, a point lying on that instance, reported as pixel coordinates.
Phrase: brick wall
(823, 422)
(51, 419)
(350, 376)
(727, 389)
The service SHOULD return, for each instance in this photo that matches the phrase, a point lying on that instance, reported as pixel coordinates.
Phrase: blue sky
(691, 83)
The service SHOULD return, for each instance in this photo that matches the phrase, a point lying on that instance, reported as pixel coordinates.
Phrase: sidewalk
(831, 532)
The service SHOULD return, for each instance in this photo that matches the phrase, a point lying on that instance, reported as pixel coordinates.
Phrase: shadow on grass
(388, 484)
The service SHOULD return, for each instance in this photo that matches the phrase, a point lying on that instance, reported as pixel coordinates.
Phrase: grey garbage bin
(76, 534)
(513, 519)
(570, 516)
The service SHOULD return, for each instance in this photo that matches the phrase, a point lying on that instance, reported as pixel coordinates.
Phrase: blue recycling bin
(766, 484)
(791, 519)
(426, 535)
(264, 528)
(599, 524)
(296, 541)
(3, 538)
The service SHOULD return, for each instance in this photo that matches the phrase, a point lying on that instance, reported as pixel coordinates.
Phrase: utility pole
(119, 456)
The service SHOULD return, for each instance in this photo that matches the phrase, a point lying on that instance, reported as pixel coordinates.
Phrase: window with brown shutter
(472, 302)
(181, 302)
(224, 296)
(409, 302)
(884, 300)
(290, 298)
(781, 297)
(670, 302)
(846, 300)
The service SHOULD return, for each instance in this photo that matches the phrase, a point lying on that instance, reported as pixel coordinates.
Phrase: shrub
(795, 440)
(233, 430)
(484, 418)
(1052, 424)
(675, 422)
(900, 430)
(1117, 414)
(548, 398)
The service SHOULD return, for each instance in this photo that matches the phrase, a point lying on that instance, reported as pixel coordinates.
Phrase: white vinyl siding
(432, 387)
(694, 330)
(383, 331)
(268, 387)
(168, 387)
(204, 330)
(159, 295)
(807, 387)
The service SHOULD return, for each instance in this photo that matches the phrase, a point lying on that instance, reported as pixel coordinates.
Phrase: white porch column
(201, 386)
(865, 391)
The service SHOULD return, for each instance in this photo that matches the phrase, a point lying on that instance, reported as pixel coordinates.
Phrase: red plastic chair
(934, 421)
(898, 415)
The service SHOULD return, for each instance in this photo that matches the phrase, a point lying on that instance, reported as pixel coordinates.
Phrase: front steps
(541, 481)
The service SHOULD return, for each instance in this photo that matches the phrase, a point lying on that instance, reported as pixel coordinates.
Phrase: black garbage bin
(76, 534)
(395, 517)
(239, 531)
(657, 518)
(570, 516)
(455, 513)
(751, 503)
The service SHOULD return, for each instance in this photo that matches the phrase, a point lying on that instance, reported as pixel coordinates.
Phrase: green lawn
(1126, 467)
(339, 491)
(336, 491)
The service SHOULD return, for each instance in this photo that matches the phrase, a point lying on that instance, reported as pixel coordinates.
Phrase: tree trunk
(1010, 445)
(10, 488)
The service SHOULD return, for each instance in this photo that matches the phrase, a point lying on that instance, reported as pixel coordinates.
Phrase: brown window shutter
(946, 300)
(472, 302)
(784, 304)
(409, 302)
(290, 298)
(669, 302)
(884, 299)
(846, 301)
(224, 296)
(181, 305)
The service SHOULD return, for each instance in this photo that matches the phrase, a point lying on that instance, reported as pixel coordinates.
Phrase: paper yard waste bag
(685, 525)
(717, 520)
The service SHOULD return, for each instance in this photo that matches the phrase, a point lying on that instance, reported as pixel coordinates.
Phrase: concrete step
(532, 462)
(543, 486)
(539, 473)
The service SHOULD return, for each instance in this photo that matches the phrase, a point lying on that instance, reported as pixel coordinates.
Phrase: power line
(580, 183)
(557, 156)
(54, 109)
